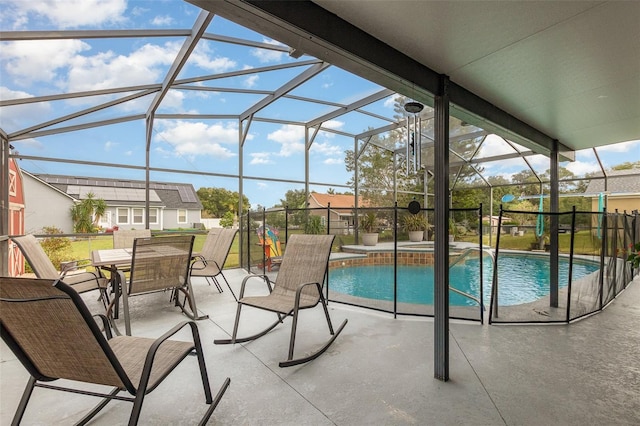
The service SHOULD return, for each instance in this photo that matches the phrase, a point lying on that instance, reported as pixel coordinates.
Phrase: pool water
(521, 279)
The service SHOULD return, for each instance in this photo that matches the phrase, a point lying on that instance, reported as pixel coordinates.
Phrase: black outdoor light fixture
(413, 107)
(414, 136)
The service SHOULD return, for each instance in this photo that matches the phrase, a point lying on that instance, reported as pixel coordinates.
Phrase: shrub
(58, 248)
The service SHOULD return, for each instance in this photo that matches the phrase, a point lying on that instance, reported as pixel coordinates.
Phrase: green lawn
(81, 248)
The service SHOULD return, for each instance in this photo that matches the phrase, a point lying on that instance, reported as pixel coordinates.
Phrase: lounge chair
(298, 286)
(50, 330)
(42, 266)
(210, 261)
(157, 264)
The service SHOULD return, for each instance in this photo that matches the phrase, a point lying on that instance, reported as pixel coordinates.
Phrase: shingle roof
(339, 202)
(131, 192)
(618, 182)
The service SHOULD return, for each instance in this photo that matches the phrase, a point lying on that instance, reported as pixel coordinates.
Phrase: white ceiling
(568, 69)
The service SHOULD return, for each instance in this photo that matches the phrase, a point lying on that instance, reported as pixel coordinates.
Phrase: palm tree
(87, 213)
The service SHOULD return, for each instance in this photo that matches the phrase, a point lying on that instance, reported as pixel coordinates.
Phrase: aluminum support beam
(554, 207)
(4, 204)
(441, 244)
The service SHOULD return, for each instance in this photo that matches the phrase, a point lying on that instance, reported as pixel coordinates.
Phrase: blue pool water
(521, 279)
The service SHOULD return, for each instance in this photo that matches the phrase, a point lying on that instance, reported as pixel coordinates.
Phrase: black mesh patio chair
(298, 286)
(50, 330)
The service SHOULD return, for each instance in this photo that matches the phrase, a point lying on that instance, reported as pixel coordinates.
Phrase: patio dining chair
(210, 261)
(61, 340)
(298, 286)
(158, 264)
(123, 238)
(81, 281)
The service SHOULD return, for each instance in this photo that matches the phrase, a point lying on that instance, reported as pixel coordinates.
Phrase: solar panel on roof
(186, 196)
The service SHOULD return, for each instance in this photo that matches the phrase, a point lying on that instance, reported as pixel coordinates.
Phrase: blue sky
(273, 150)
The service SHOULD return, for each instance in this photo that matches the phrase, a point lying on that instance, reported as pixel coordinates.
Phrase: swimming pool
(522, 279)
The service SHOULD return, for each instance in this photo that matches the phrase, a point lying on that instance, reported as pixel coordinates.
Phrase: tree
(294, 199)
(227, 220)
(627, 165)
(376, 167)
(87, 213)
(217, 201)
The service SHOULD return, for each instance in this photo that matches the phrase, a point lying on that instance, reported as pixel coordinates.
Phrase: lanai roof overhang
(410, 47)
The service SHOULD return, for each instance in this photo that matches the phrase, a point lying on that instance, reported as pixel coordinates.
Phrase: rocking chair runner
(49, 328)
(298, 286)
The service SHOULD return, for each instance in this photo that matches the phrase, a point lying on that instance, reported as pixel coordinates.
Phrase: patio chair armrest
(106, 327)
(197, 260)
(246, 279)
(151, 353)
(301, 287)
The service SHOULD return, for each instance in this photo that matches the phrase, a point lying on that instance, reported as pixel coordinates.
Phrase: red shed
(16, 218)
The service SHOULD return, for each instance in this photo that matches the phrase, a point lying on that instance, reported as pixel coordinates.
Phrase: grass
(82, 248)
(585, 243)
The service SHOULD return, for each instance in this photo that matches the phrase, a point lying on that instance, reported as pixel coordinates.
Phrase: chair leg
(326, 313)
(28, 390)
(228, 285)
(215, 282)
(294, 326)
(125, 308)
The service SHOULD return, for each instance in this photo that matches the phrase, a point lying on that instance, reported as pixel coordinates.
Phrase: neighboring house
(341, 210)
(49, 199)
(622, 193)
(45, 205)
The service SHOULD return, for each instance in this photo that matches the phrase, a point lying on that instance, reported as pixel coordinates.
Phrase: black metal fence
(584, 272)
(394, 275)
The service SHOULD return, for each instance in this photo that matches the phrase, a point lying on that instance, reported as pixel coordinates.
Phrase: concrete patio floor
(378, 372)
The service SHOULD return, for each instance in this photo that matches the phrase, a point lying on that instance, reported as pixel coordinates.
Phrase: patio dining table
(120, 260)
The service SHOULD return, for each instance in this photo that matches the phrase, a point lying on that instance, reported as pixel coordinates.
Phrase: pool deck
(379, 371)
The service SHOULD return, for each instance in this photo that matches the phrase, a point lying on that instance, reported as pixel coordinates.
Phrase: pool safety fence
(566, 241)
(397, 246)
(599, 240)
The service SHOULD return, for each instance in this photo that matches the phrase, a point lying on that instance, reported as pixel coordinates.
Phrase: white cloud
(326, 149)
(290, 137)
(29, 143)
(262, 185)
(198, 138)
(581, 168)
(161, 21)
(108, 146)
(333, 161)
(266, 55)
(251, 81)
(67, 13)
(14, 117)
(259, 158)
(494, 145)
(621, 147)
(202, 57)
(108, 69)
(29, 61)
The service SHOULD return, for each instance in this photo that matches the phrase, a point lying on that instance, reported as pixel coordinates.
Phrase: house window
(153, 216)
(138, 215)
(182, 216)
(13, 182)
(123, 215)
